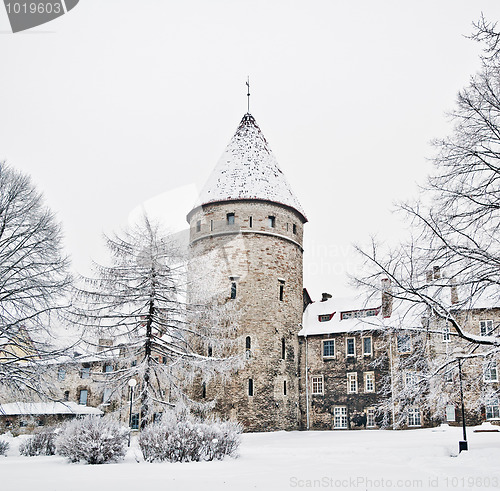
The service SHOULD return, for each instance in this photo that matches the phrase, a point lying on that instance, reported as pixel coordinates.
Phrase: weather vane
(248, 94)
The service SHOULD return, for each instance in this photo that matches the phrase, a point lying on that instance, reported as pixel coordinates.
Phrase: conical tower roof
(248, 170)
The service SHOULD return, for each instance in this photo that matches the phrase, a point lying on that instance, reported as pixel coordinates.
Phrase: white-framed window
(404, 343)
(106, 395)
(492, 409)
(350, 347)
(485, 327)
(352, 383)
(369, 381)
(317, 385)
(340, 417)
(490, 371)
(370, 417)
(450, 413)
(367, 346)
(410, 378)
(446, 334)
(414, 416)
(61, 374)
(85, 373)
(328, 348)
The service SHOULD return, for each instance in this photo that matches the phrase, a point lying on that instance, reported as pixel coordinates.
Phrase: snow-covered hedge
(93, 440)
(43, 443)
(4, 446)
(189, 440)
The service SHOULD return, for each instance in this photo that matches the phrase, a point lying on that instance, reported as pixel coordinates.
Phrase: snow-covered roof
(248, 170)
(37, 408)
(334, 307)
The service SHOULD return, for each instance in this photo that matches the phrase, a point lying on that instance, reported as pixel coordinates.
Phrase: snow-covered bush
(43, 443)
(189, 440)
(93, 440)
(4, 446)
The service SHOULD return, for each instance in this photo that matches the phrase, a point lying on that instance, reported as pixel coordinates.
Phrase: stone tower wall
(258, 258)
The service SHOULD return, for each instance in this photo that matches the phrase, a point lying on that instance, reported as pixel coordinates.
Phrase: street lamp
(131, 383)
(459, 354)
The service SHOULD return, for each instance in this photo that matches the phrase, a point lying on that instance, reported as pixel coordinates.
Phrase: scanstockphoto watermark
(25, 14)
(369, 483)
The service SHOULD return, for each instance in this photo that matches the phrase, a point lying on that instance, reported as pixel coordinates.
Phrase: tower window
(294, 228)
(282, 290)
(248, 343)
(230, 218)
(210, 351)
(271, 221)
(284, 387)
(198, 225)
(250, 386)
(250, 222)
(204, 390)
(233, 290)
(211, 225)
(66, 395)
(283, 348)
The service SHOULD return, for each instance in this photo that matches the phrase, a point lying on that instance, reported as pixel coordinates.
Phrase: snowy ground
(365, 460)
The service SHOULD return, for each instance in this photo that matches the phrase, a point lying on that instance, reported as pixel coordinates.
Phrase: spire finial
(248, 94)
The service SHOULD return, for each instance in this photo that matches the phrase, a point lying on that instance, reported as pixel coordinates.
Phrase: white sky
(120, 101)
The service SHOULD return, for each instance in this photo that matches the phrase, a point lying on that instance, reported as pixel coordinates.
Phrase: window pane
(367, 346)
(329, 348)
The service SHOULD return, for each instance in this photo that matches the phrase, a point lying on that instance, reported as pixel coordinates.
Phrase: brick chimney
(386, 298)
(453, 291)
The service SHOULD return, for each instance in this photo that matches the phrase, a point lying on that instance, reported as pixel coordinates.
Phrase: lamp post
(131, 383)
(459, 355)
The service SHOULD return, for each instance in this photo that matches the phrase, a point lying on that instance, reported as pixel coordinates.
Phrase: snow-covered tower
(249, 228)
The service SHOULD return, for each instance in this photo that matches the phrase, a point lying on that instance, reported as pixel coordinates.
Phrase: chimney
(386, 298)
(325, 297)
(453, 291)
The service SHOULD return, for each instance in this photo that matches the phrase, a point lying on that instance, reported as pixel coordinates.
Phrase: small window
(370, 417)
(250, 222)
(210, 351)
(108, 368)
(404, 343)
(450, 413)
(248, 342)
(350, 347)
(204, 390)
(230, 218)
(233, 290)
(352, 383)
(490, 371)
(367, 346)
(446, 334)
(340, 417)
(284, 387)
(282, 290)
(328, 348)
(369, 382)
(294, 228)
(486, 327)
(134, 421)
(414, 416)
(250, 386)
(283, 348)
(198, 225)
(134, 363)
(317, 385)
(164, 360)
(61, 374)
(325, 317)
(66, 395)
(271, 221)
(211, 225)
(83, 397)
(106, 395)
(85, 373)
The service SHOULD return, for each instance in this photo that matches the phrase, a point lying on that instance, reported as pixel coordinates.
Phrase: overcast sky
(120, 101)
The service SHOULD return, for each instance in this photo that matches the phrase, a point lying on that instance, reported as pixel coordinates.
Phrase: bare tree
(139, 301)
(33, 281)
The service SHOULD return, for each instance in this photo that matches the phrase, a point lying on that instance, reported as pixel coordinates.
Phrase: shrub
(189, 440)
(43, 443)
(4, 447)
(93, 440)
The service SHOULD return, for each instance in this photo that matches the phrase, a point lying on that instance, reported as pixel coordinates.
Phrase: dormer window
(230, 218)
(325, 317)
